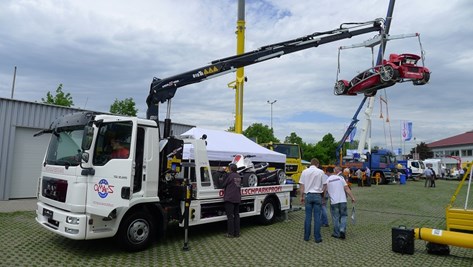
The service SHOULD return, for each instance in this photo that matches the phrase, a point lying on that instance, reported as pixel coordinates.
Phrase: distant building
(21, 154)
(451, 150)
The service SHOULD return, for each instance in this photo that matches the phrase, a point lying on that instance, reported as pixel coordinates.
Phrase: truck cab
(417, 168)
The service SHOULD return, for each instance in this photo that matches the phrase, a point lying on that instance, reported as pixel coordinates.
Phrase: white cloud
(102, 50)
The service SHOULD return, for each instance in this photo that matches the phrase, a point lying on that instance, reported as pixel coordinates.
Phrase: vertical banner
(406, 131)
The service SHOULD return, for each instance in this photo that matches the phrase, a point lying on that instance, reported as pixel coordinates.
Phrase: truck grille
(291, 168)
(55, 189)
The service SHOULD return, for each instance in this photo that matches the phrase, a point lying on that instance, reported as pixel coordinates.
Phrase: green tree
(124, 107)
(323, 150)
(231, 129)
(423, 150)
(260, 133)
(293, 138)
(60, 99)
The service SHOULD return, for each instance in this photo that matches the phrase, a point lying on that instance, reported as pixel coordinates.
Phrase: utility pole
(271, 118)
(13, 85)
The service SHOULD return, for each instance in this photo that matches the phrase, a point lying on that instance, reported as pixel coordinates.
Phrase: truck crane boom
(162, 90)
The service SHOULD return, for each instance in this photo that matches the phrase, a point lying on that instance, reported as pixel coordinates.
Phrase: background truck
(438, 166)
(84, 193)
(417, 168)
(293, 154)
(381, 162)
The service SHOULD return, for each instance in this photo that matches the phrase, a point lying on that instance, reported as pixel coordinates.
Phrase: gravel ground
(378, 209)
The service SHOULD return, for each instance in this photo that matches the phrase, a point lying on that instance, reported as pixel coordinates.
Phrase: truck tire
(382, 179)
(136, 231)
(249, 179)
(268, 212)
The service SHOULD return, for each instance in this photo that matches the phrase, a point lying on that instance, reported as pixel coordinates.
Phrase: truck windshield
(64, 148)
(291, 151)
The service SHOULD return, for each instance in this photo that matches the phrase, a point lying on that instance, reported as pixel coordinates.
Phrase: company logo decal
(103, 188)
(256, 190)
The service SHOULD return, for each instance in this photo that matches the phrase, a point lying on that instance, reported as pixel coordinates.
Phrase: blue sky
(106, 50)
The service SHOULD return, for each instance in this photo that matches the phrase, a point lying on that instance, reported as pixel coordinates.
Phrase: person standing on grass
(428, 177)
(325, 197)
(311, 189)
(338, 190)
(232, 198)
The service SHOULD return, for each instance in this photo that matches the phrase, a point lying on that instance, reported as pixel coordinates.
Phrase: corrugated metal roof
(461, 139)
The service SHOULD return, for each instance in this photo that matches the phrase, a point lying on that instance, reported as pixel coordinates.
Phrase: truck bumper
(67, 224)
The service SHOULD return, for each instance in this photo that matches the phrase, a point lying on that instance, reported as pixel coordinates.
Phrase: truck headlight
(72, 220)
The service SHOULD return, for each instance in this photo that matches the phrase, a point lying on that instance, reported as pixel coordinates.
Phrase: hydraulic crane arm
(162, 90)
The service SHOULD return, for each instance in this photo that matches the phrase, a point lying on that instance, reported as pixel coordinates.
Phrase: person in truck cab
(119, 150)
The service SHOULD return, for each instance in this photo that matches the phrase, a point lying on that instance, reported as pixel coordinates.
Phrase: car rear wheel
(425, 78)
(386, 73)
(340, 88)
(281, 177)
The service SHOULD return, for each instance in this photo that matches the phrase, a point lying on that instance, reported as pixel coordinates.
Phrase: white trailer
(437, 165)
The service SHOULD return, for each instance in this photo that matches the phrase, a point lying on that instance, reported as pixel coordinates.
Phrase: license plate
(48, 213)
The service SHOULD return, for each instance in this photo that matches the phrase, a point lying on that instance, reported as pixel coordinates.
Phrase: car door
(111, 185)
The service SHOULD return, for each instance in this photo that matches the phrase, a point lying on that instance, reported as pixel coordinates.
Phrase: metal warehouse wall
(22, 114)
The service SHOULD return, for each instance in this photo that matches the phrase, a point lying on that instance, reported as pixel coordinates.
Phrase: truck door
(111, 186)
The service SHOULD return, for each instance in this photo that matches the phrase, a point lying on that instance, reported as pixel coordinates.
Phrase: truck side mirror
(87, 137)
(85, 157)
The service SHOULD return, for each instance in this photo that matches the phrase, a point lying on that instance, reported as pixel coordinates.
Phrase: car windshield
(64, 147)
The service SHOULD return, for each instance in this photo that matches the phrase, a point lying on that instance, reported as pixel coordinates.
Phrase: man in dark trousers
(232, 198)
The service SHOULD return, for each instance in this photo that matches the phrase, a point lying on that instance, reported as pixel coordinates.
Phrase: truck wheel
(249, 180)
(268, 212)
(136, 231)
(382, 179)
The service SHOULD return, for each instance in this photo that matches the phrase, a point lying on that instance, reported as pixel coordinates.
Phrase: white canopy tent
(222, 146)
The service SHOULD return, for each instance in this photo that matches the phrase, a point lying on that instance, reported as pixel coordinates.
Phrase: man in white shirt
(338, 190)
(311, 189)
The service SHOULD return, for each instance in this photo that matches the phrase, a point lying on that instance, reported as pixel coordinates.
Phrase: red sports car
(399, 68)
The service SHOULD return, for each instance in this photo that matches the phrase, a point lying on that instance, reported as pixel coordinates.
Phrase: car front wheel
(249, 180)
(386, 73)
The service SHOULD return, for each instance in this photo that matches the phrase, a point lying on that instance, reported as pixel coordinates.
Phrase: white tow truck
(86, 191)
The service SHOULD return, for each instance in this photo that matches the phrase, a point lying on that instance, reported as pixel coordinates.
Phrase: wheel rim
(252, 180)
(268, 211)
(386, 73)
(281, 177)
(138, 231)
(339, 88)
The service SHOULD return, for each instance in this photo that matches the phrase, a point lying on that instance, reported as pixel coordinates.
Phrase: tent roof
(222, 146)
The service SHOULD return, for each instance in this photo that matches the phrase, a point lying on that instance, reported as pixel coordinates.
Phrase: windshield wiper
(46, 131)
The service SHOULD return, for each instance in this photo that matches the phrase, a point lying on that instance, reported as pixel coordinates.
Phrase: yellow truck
(293, 154)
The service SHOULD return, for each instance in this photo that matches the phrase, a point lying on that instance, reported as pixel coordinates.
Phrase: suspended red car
(399, 68)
